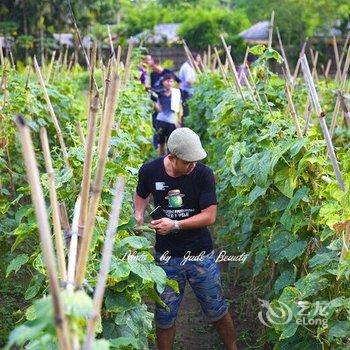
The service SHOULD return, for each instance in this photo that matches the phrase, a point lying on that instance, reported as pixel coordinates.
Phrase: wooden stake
(293, 111)
(111, 43)
(54, 206)
(97, 185)
(233, 68)
(128, 64)
(220, 66)
(345, 109)
(328, 66)
(337, 61)
(346, 241)
(80, 132)
(44, 231)
(344, 50)
(271, 29)
(52, 114)
(341, 89)
(73, 246)
(105, 264)
(117, 63)
(286, 65)
(314, 66)
(321, 118)
(297, 67)
(308, 112)
(190, 57)
(2, 61)
(50, 67)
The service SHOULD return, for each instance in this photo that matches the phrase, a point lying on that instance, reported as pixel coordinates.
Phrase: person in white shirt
(187, 76)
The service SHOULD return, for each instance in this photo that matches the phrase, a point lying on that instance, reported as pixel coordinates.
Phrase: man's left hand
(162, 226)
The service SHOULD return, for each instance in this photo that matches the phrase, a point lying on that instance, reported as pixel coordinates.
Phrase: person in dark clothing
(156, 78)
(157, 74)
(184, 188)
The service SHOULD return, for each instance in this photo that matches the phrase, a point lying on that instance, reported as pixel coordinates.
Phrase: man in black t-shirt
(185, 190)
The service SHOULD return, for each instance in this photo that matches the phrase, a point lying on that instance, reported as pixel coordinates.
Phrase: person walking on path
(185, 190)
(168, 108)
(187, 75)
(156, 78)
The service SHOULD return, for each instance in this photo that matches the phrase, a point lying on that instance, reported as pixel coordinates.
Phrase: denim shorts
(204, 278)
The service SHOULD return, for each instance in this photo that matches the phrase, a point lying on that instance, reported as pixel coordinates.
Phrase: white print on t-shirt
(178, 213)
(160, 186)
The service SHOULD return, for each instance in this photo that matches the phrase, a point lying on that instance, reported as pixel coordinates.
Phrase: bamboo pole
(345, 109)
(321, 118)
(293, 111)
(2, 61)
(341, 88)
(50, 67)
(337, 61)
(106, 87)
(64, 218)
(286, 65)
(105, 263)
(117, 63)
(111, 42)
(54, 206)
(233, 68)
(80, 132)
(308, 112)
(73, 246)
(246, 81)
(190, 57)
(250, 76)
(71, 61)
(11, 59)
(87, 169)
(44, 231)
(271, 29)
(246, 56)
(220, 66)
(344, 50)
(128, 64)
(328, 66)
(314, 67)
(52, 114)
(97, 184)
(346, 241)
(297, 67)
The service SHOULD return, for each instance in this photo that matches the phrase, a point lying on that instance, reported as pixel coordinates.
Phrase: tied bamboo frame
(105, 264)
(44, 231)
(97, 184)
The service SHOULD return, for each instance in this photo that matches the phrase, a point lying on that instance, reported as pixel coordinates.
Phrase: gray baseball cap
(185, 144)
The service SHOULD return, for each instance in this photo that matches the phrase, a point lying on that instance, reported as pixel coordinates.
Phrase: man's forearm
(197, 221)
(140, 205)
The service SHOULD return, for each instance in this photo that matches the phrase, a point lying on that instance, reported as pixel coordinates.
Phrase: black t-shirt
(197, 192)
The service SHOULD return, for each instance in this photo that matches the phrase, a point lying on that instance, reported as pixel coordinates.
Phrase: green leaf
(312, 283)
(256, 193)
(16, 263)
(289, 330)
(260, 257)
(101, 344)
(123, 342)
(323, 259)
(119, 269)
(286, 181)
(339, 329)
(137, 242)
(35, 285)
(294, 250)
(286, 278)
